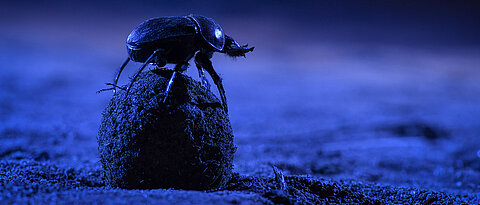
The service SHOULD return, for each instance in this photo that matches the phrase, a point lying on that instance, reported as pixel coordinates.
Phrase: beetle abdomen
(176, 49)
(156, 29)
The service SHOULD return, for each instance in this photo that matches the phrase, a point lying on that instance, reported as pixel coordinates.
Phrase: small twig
(116, 86)
(112, 88)
(279, 178)
(105, 89)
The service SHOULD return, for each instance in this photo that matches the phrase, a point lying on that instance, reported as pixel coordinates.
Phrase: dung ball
(184, 143)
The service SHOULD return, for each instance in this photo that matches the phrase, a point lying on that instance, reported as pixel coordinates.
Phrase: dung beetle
(176, 40)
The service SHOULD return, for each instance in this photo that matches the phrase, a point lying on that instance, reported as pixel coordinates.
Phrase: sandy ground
(375, 123)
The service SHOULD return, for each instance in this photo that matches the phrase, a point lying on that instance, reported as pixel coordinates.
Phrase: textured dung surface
(186, 143)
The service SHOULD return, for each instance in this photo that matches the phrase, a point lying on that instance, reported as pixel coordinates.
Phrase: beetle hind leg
(169, 86)
(149, 60)
(115, 81)
(178, 68)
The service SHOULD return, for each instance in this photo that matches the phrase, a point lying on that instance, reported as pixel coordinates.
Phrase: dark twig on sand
(112, 88)
(279, 178)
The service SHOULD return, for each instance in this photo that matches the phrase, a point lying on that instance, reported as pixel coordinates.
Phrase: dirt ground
(346, 122)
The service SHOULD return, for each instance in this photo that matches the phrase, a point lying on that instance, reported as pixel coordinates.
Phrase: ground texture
(372, 106)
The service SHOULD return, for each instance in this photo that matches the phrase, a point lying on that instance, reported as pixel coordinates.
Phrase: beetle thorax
(209, 30)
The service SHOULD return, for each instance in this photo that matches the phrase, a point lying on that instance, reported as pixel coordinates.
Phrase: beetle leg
(202, 76)
(118, 75)
(207, 64)
(141, 69)
(169, 86)
(178, 68)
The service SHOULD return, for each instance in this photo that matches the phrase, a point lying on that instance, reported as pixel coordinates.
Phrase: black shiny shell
(156, 29)
(210, 31)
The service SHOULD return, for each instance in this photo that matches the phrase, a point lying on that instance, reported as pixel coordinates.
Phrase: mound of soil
(29, 181)
(309, 190)
(185, 143)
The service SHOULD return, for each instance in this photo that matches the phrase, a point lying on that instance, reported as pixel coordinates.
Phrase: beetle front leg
(205, 62)
(202, 76)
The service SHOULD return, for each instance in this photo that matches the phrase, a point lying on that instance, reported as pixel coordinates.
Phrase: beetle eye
(218, 33)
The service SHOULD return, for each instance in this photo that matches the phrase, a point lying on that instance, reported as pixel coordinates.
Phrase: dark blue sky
(394, 22)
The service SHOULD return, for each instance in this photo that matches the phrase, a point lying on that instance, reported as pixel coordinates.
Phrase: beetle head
(233, 49)
(210, 31)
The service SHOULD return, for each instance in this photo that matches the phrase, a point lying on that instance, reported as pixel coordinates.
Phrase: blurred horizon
(396, 44)
(300, 35)
(411, 23)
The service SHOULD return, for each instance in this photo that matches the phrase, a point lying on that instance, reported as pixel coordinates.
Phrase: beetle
(176, 40)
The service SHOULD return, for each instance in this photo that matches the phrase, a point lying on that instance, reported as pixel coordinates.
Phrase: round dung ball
(184, 143)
